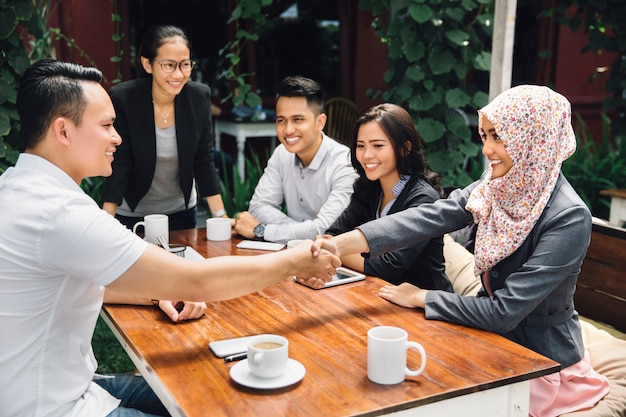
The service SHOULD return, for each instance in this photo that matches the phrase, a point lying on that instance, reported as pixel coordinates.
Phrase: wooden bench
(601, 289)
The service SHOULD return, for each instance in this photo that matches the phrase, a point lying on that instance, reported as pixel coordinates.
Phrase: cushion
(459, 263)
(606, 352)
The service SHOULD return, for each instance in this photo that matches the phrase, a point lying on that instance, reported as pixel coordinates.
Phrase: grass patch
(112, 359)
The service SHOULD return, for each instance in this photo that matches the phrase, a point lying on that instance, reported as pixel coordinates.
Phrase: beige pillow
(460, 267)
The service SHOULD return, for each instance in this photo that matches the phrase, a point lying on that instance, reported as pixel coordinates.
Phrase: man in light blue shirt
(309, 172)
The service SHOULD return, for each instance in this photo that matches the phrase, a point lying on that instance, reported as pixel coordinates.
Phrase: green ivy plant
(19, 26)
(249, 20)
(437, 51)
(25, 38)
(598, 164)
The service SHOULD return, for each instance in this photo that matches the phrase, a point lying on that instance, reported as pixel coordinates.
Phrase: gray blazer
(533, 301)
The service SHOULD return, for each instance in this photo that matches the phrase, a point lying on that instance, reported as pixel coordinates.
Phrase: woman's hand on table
(405, 295)
(190, 309)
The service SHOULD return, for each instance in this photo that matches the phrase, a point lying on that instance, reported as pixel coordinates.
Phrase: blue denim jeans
(138, 399)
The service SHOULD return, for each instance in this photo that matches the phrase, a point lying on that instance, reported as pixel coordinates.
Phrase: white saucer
(240, 373)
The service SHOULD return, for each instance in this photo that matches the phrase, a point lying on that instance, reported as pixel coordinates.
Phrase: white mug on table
(268, 355)
(387, 348)
(218, 228)
(154, 225)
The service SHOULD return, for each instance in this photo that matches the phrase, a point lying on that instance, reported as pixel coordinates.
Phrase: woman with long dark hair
(388, 154)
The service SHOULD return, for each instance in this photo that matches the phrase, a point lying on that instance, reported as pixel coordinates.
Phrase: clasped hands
(179, 311)
(320, 243)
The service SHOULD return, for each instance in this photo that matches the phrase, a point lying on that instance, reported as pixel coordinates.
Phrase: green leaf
(483, 61)
(457, 98)
(8, 21)
(440, 61)
(455, 14)
(480, 99)
(23, 9)
(458, 37)
(5, 124)
(399, 4)
(413, 51)
(253, 99)
(421, 13)
(235, 15)
(415, 73)
(430, 130)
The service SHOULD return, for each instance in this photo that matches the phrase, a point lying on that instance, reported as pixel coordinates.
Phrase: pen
(236, 357)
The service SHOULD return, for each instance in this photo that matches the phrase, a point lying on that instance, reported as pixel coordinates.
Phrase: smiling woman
(168, 168)
(388, 153)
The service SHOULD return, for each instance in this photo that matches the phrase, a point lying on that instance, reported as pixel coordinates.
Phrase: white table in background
(242, 130)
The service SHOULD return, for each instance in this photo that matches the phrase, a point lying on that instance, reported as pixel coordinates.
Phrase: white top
(314, 195)
(57, 250)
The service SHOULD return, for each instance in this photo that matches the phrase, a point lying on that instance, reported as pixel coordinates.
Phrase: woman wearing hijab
(532, 235)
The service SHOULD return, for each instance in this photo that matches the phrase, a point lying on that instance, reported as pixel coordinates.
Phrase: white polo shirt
(57, 251)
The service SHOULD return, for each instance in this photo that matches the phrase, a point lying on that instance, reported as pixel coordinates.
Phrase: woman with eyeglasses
(165, 122)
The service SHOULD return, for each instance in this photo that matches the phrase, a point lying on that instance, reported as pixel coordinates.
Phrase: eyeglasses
(168, 66)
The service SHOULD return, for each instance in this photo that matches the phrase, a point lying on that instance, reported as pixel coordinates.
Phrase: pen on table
(237, 357)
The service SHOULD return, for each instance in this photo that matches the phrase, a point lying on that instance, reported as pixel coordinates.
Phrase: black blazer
(135, 158)
(421, 264)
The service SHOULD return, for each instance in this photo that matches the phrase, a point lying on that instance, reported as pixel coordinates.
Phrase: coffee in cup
(268, 355)
(268, 345)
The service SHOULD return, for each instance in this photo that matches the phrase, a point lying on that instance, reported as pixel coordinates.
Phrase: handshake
(324, 258)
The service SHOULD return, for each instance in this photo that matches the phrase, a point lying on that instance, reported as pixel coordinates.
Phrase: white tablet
(259, 245)
(342, 276)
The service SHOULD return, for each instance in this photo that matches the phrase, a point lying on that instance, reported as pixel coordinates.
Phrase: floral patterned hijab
(534, 124)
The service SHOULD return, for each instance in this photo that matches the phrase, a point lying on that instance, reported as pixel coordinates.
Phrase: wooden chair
(341, 115)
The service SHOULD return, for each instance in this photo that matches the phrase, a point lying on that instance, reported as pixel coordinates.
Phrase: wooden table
(242, 130)
(469, 372)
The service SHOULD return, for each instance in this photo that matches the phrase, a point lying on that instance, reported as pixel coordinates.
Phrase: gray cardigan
(533, 301)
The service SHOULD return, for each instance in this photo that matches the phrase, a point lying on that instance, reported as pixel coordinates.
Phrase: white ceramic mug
(218, 228)
(154, 225)
(387, 348)
(268, 355)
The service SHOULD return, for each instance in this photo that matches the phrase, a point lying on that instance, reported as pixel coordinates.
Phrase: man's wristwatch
(259, 231)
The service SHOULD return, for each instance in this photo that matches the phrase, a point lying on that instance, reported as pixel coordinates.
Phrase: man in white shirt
(310, 173)
(59, 250)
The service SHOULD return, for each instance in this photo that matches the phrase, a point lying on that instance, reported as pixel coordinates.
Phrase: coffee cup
(218, 228)
(387, 349)
(268, 355)
(293, 243)
(154, 225)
